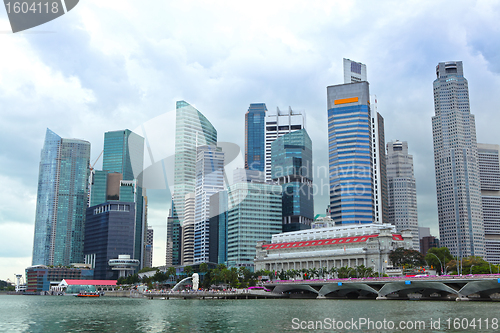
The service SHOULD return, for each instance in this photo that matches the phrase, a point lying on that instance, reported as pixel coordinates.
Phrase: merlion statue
(196, 281)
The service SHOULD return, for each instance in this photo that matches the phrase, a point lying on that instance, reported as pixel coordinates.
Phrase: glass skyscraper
(255, 144)
(121, 180)
(350, 153)
(192, 129)
(292, 169)
(254, 215)
(458, 187)
(61, 201)
(209, 180)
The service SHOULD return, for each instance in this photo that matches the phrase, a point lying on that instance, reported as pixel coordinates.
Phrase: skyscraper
(278, 124)
(209, 180)
(489, 171)
(402, 205)
(255, 144)
(192, 129)
(148, 261)
(356, 72)
(109, 232)
(61, 201)
(254, 215)
(187, 246)
(350, 153)
(460, 213)
(292, 169)
(121, 180)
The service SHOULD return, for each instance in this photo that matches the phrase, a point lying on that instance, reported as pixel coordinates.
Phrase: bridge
(237, 294)
(460, 288)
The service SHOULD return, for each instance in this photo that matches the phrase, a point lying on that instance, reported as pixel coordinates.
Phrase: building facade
(109, 232)
(61, 201)
(192, 129)
(255, 144)
(148, 258)
(254, 214)
(278, 124)
(187, 246)
(428, 242)
(460, 212)
(356, 72)
(218, 227)
(402, 204)
(350, 154)
(121, 180)
(351, 246)
(209, 180)
(291, 156)
(489, 172)
(40, 278)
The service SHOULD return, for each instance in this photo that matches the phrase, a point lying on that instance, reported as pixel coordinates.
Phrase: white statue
(196, 281)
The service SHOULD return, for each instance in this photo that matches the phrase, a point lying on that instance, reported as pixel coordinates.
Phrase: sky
(110, 65)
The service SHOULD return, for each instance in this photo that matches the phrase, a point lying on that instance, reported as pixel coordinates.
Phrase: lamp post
(439, 261)
(490, 267)
(471, 269)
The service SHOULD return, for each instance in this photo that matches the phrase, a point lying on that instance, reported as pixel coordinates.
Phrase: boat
(87, 294)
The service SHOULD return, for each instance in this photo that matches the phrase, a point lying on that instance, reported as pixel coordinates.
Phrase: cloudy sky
(109, 65)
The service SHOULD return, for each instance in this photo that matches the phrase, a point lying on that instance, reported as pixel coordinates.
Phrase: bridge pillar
(381, 298)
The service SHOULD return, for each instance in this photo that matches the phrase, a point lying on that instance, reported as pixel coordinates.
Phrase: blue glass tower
(291, 156)
(255, 144)
(350, 153)
(121, 179)
(61, 201)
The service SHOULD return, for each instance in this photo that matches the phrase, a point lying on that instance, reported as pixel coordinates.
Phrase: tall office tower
(489, 172)
(209, 180)
(61, 201)
(402, 205)
(148, 261)
(354, 71)
(109, 232)
(187, 246)
(255, 144)
(350, 153)
(292, 169)
(218, 227)
(458, 188)
(192, 129)
(379, 164)
(279, 124)
(254, 215)
(122, 164)
(174, 242)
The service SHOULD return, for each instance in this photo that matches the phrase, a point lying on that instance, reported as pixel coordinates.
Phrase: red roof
(329, 241)
(91, 282)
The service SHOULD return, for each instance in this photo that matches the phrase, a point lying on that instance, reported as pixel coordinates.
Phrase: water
(110, 314)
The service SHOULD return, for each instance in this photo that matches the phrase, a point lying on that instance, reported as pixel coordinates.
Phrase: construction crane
(91, 166)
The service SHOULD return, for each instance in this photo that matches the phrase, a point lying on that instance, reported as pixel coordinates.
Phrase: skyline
(107, 67)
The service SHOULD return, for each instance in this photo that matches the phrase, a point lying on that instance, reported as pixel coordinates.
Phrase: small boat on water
(87, 294)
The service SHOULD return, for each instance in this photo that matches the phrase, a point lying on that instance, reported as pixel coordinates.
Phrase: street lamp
(439, 261)
(471, 269)
(490, 267)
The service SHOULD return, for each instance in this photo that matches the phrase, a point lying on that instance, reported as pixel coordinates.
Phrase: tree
(203, 267)
(171, 272)
(404, 257)
(188, 270)
(443, 256)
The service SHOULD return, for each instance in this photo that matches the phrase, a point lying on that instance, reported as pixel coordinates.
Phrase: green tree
(188, 270)
(203, 268)
(405, 257)
(435, 256)
(171, 273)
